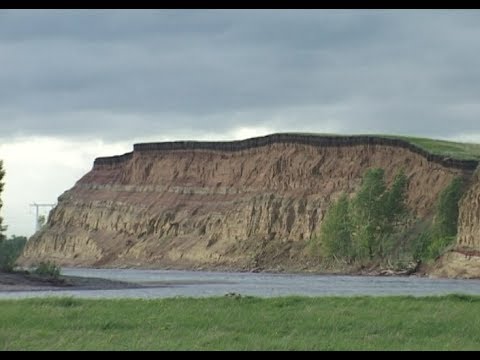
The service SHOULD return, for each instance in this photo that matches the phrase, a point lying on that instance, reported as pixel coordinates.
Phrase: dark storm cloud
(122, 73)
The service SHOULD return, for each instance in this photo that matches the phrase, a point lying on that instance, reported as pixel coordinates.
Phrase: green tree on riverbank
(336, 231)
(10, 250)
(441, 233)
(372, 225)
(362, 228)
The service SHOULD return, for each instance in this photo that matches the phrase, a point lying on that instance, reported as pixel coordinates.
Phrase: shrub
(47, 268)
(420, 246)
(10, 250)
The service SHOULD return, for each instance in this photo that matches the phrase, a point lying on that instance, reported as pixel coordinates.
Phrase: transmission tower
(37, 206)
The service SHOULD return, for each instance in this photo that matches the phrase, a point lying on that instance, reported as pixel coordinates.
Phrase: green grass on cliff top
(454, 150)
(243, 323)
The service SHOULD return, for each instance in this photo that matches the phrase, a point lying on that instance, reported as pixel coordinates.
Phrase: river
(172, 283)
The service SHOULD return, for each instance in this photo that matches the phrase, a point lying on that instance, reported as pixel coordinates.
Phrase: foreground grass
(289, 323)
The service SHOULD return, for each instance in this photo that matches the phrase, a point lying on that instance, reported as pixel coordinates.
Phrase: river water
(172, 283)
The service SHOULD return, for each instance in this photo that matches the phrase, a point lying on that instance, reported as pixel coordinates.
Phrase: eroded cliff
(463, 260)
(233, 205)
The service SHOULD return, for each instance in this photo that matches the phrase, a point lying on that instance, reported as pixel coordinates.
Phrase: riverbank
(24, 281)
(243, 323)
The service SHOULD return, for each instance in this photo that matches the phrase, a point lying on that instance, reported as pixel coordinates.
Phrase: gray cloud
(118, 74)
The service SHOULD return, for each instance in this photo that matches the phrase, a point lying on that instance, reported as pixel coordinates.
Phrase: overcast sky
(79, 84)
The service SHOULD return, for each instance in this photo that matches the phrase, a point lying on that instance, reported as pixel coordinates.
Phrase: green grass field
(227, 323)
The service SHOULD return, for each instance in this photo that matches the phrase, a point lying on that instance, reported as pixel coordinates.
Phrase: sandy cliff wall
(464, 258)
(237, 205)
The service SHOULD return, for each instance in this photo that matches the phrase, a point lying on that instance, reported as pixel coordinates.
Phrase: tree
(10, 250)
(2, 228)
(444, 228)
(335, 234)
(368, 213)
(395, 213)
(363, 228)
(446, 217)
(394, 206)
(377, 213)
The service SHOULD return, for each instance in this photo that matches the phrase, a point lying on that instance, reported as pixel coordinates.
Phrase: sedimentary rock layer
(233, 205)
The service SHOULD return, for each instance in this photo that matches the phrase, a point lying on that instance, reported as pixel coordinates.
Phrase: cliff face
(464, 258)
(225, 205)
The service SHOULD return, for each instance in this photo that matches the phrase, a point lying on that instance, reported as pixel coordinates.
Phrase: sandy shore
(20, 281)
